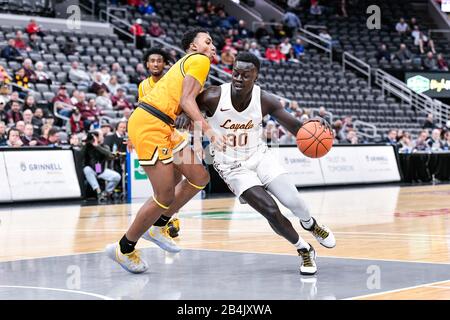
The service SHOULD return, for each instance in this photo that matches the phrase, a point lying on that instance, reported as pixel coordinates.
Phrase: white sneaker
(308, 266)
(161, 236)
(322, 234)
(131, 262)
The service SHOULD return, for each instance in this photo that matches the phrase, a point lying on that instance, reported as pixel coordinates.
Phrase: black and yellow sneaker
(174, 227)
(322, 234)
(308, 266)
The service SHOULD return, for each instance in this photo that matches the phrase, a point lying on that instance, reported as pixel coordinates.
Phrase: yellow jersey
(166, 93)
(146, 86)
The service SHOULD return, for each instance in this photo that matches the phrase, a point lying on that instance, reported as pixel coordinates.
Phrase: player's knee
(165, 197)
(201, 178)
(272, 212)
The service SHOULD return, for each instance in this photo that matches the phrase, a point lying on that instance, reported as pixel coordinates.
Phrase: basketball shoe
(161, 237)
(174, 227)
(308, 266)
(131, 262)
(322, 234)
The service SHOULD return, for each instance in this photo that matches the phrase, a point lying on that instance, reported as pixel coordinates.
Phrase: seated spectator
(81, 103)
(62, 102)
(137, 30)
(4, 76)
(285, 46)
(324, 114)
(274, 54)
(27, 117)
(28, 68)
(105, 76)
(106, 129)
(430, 62)
(155, 29)
(115, 141)
(29, 103)
(13, 138)
(420, 144)
(78, 76)
(429, 122)
(126, 114)
(405, 144)
(325, 35)
(113, 85)
(21, 78)
(90, 114)
(103, 101)
(391, 137)
(383, 53)
(254, 49)
(415, 33)
(288, 138)
(261, 32)
(20, 125)
(20, 43)
(35, 43)
(53, 137)
(43, 138)
(14, 96)
(339, 133)
(291, 56)
(10, 53)
(34, 28)
(140, 74)
(3, 112)
(425, 41)
(442, 64)
(41, 75)
(3, 136)
(69, 48)
(97, 84)
(446, 141)
(119, 100)
(278, 31)
(403, 54)
(227, 60)
(28, 138)
(116, 70)
(95, 155)
(434, 142)
(37, 119)
(299, 48)
(402, 27)
(92, 70)
(76, 122)
(243, 32)
(15, 114)
(146, 8)
(351, 137)
(74, 141)
(315, 8)
(270, 133)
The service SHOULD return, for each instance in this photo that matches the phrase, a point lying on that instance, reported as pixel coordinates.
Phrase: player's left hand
(182, 121)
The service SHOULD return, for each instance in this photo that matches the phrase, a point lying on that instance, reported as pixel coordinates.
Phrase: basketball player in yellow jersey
(155, 60)
(151, 131)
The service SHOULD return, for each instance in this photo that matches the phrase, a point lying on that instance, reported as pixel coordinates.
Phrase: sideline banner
(5, 191)
(41, 174)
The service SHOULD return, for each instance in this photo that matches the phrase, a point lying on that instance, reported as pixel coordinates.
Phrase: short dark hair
(10, 130)
(249, 57)
(52, 131)
(117, 124)
(156, 50)
(189, 36)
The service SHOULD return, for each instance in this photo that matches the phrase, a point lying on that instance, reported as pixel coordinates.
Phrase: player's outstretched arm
(209, 99)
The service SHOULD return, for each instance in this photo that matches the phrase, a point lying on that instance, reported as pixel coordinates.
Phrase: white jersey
(243, 130)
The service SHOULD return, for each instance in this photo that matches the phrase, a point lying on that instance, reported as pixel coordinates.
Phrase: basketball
(314, 140)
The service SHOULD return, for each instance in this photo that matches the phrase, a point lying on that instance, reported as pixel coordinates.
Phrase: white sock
(308, 223)
(301, 244)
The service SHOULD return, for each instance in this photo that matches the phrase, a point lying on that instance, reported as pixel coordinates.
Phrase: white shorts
(259, 170)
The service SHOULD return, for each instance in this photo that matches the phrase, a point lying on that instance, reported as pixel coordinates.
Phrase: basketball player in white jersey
(248, 166)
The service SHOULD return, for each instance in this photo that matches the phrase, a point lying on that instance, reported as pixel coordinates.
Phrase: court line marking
(61, 290)
(396, 290)
(439, 287)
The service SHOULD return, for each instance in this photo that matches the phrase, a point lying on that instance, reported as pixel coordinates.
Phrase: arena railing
(106, 16)
(357, 64)
(316, 41)
(90, 8)
(370, 126)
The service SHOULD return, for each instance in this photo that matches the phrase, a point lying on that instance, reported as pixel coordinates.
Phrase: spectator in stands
(3, 136)
(4, 76)
(430, 62)
(126, 114)
(29, 103)
(95, 155)
(92, 70)
(76, 122)
(288, 138)
(425, 41)
(53, 138)
(116, 141)
(291, 56)
(291, 23)
(105, 76)
(243, 32)
(27, 116)
(43, 138)
(13, 96)
(324, 114)
(299, 48)
(116, 70)
(274, 54)
(13, 138)
(420, 144)
(391, 137)
(113, 85)
(227, 60)
(339, 134)
(442, 64)
(146, 8)
(21, 80)
(446, 141)
(224, 21)
(62, 102)
(20, 125)
(434, 142)
(285, 46)
(402, 27)
(15, 114)
(69, 48)
(97, 84)
(74, 141)
(3, 113)
(254, 49)
(10, 53)
(261, 32)
(20, 42)
(140, 74)
(106, 129)
(315, 8)
(270, 133)
(35, 43)
(405, 145)
(90, 114)
(383, 53)
(37, 119)
(41, 75)
(403, 54)
(28, 68)
(351, 137)
(137, 30)
(28, 138)
(78, 76)
(120, 101)
(103, 101)
(34, 28)
(278, 31)
(155, 30)
(80, 103)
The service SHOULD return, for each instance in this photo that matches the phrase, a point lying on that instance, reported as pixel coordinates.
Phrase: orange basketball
(314, 140)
